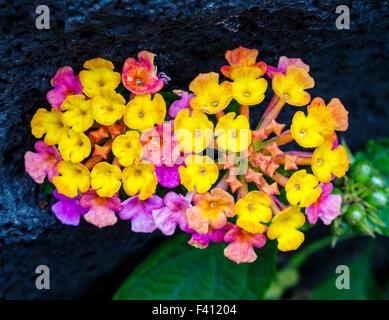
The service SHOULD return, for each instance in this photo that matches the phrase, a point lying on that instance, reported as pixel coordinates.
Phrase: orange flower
(211, 210)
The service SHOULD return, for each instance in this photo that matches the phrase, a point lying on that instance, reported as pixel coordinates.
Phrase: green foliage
(363, 286)
(177, 270)
(47, 187)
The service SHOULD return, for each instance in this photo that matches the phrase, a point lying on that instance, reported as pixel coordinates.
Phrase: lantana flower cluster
(116, 146)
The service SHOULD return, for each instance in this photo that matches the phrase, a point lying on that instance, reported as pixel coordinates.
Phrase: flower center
(297, 186)
(101, 83)
(108, 173)
(286, 95)
(80, 143)
(319, 162)
(251, 207)
(203, 171)
(215, 103)
(141, 115)
(302, 133)
(212, 204)
(247, 94)
(137, 172)
(138, 82)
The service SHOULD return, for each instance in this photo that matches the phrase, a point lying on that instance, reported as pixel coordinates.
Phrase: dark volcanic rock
(189, 36)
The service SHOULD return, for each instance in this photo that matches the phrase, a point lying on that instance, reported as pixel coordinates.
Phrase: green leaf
(362, 283)
(177, 270)
(169, 97)
(47, 187)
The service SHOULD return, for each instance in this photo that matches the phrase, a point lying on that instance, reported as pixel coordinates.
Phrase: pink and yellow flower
(242, 243)
(253, 210)
(211, 210)
(102, 210)
(283, 64)
(291, 87)
(211, 97)
(65, 84)
(99, 75)
(140, 77)
(327, 161)
(43, 163)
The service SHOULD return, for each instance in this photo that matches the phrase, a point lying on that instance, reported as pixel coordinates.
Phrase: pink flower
(241, 248)
(172, 214)
(202, 241)
(68, 210)
(65, 84)
(180, 104)
(102, 211)
(327, 207)
(42, 164)
(283, 64)
(168, 177)
(141, 212)
(140, 77)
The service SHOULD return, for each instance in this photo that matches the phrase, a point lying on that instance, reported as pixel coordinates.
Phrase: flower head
(202, 241)
(301, 189)
(77, 113)
(241, 248)
(247, 89)
(68, 210)
(327, 207)
(106, 179)
(253, 209)
(194, 131)
(65, 84)
(102, 210)
(172, 214)
(139, 177)
(108, 107)
(232, 133)
(327, 161)
(242, 57)
(284, 226)
(43, 163)
(100, 75)
(283, 64)
(290, 87)
(74, 146)
(182, 103)
(211, 210)
(141, 212)
(73, 177)
(143, 112)
(211, 97)
(200, 173)
(49, 123)
(140, 77)
(127, 148)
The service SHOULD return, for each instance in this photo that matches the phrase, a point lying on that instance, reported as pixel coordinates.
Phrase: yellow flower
(106, 179)
(200, 173)
(301, 189)
(211, 97)
(73, 177)
(194, 132)
(326, 162)
(247, 89)
(143, 113)
(49, 123)
(78, 112)
(253, 209)
(140, 177)
(290, 87)
(127, 148)
(284, 226)
(108, 107)
(99, 76)
(232, 133)
(321, 122)
(74, 146)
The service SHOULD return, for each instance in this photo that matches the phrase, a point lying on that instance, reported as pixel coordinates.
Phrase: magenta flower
(173, 213)
(102, 211)
(68, 210)
(180, 104)
(65, 84)
(168, 177)
(140, 213)
(241, 248)
(327, 207)
(202, 241)
(42, 164)
(283, 64)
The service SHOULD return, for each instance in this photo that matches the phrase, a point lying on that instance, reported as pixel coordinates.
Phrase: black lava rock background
(189, 36)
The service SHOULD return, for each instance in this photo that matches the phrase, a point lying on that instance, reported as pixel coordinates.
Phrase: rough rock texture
(189, 36)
